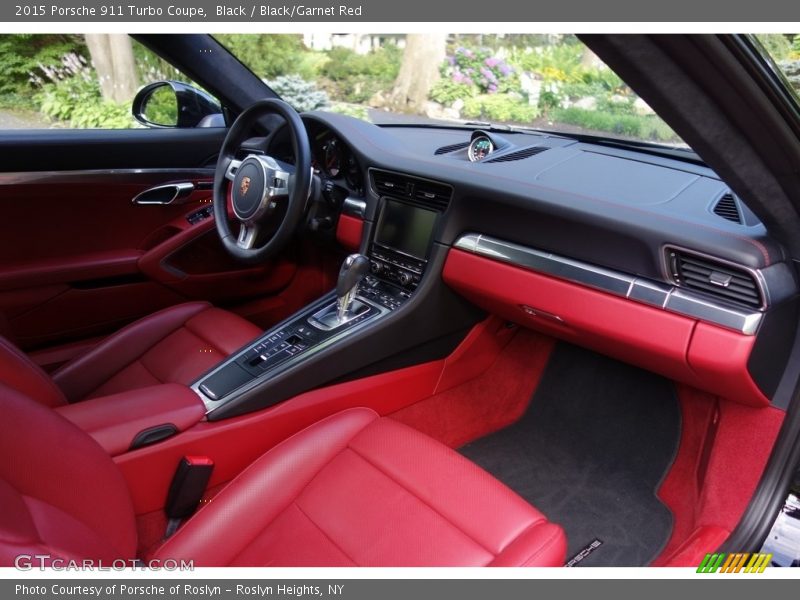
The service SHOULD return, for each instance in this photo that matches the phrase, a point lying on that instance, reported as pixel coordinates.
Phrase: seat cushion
(357, 489)
(174, 345)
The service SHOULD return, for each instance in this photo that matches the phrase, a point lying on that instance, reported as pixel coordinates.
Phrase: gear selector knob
(353, 270)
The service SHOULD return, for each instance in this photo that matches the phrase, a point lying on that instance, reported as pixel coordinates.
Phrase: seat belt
(186, 490)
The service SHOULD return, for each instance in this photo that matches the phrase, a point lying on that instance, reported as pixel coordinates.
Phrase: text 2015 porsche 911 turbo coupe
(259, 337)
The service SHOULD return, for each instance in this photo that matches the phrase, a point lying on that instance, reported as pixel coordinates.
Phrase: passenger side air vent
(451, 148)
(727, 208)
(519, 154)
(715, 278)
(429, 193)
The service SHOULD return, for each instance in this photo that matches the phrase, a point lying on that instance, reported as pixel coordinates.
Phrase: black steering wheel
(263, 189)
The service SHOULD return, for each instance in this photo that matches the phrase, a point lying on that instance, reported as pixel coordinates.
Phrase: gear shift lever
(353, 270)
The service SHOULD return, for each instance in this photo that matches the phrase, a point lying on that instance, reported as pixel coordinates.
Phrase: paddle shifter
(353, 270)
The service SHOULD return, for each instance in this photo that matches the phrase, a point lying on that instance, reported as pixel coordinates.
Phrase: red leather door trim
(83, 267)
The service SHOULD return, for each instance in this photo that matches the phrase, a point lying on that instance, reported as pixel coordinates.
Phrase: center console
(369, 288)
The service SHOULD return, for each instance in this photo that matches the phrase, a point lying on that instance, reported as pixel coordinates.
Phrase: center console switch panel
(301, 335)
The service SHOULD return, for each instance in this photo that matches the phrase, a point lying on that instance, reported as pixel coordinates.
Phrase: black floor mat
(590, 453)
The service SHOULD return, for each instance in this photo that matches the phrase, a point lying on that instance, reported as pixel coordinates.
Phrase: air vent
(435, 194)
(389, 183)
(421, 191)
(718, 279)
(519, 154)
(727, 208)
(451, 148)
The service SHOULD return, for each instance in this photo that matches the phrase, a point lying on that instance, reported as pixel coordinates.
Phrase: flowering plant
(479, 68)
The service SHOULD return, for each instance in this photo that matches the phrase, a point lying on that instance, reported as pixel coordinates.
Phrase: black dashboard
(637, 214)
(614, 207)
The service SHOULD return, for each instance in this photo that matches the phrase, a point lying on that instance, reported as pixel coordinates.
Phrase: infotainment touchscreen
(406, 228)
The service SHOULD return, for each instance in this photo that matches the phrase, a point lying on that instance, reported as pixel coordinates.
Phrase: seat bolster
(541, 545)
(58, 488)
(236, 516)
(20, 373)
(85, 373)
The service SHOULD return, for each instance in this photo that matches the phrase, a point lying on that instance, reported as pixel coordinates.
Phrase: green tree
(22, 54)
(267, 55)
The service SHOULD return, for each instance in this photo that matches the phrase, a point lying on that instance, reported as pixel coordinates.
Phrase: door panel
(78, 258)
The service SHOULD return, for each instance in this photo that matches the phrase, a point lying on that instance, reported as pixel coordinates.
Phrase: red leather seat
(353, 489)
(174, 345)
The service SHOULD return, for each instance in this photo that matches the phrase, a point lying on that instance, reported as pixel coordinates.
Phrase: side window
(102, 81)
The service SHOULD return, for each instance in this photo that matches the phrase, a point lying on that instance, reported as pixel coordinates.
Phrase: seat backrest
(20, 373)
(61, 494)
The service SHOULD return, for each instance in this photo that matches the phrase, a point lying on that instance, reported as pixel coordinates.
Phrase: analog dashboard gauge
(332, 158)
(480, 148)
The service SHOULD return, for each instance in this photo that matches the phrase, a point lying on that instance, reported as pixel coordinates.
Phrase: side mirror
(174, 104)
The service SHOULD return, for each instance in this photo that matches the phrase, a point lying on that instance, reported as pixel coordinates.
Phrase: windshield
(549, 81)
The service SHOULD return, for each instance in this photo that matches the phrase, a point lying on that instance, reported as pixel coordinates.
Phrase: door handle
(171, 193)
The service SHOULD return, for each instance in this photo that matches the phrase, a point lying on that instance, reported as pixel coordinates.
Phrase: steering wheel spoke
(233, 167)
(278, 183)
(248, 232)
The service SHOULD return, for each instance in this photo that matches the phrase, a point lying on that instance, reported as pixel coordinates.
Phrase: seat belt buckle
(187, 488)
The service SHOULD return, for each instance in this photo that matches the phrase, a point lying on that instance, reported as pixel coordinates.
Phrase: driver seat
(174, 345)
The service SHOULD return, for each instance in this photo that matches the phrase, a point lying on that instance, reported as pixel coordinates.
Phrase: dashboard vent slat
(519, 154)
(451, 148)
(727, 208)
(421, 191)
(715, 278)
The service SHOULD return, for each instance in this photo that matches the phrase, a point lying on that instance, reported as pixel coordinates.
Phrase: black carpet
(590, 453)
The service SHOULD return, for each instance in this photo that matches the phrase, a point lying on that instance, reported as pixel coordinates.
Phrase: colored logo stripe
(734, 563)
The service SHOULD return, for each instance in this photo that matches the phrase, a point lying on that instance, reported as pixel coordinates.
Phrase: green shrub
(446, 91)
(267, 55)
(355, 78)
(645, 127)
(554, 62)
(71, 94)
(301, 94)
(351, 110)
(382, 63)
(499, 108)
(777, 45)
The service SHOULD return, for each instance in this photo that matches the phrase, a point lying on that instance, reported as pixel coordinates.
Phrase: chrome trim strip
(212, 405)
(537, 260)
(104, 175)
(688, 304)
(354, 207)
(638, 289)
